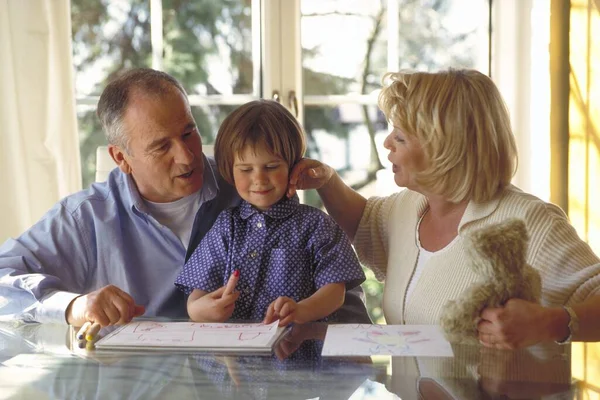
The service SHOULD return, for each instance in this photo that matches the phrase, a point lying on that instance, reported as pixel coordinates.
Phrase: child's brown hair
(259, 122)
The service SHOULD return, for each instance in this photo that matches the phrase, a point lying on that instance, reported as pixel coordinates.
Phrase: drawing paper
(392, 340)
(193, 336)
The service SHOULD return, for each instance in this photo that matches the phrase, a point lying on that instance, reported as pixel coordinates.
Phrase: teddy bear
(498, 257)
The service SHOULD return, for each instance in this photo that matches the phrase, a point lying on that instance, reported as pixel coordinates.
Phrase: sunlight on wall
(584, 121)
(584, 156)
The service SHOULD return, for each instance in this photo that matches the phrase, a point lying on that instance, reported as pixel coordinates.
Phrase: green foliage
(374, 295)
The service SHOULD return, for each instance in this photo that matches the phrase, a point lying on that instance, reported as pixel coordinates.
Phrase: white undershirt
(424, 256)
(178, 215)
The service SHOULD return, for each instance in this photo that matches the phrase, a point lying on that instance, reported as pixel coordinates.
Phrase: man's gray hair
(115, 98)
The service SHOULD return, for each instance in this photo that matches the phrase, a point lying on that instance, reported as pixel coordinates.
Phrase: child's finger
(227, 300)
(286, 310)
(277, 305)
(233, 368)
(269, 317)
(218, 293)
(287, 320)
(233, 280)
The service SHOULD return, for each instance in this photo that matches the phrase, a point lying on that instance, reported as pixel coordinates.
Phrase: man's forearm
(22, 304)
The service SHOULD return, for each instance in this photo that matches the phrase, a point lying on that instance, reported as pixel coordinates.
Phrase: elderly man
(112, 252)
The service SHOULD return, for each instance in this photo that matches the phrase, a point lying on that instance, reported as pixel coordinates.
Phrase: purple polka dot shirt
(289, 250)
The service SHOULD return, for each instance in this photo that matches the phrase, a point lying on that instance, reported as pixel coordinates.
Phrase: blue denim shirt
(101, 236)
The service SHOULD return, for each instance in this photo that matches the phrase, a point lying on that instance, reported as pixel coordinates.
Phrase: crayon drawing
(393, 340)
(191, 335)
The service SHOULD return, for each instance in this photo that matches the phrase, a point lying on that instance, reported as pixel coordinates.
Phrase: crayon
(81, 332)
(92, 332)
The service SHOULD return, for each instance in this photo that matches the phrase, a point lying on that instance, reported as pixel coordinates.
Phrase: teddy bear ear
(509, 232)
(503, 244)
(516, 227)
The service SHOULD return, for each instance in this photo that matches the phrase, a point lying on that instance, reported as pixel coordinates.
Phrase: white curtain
(39, 153)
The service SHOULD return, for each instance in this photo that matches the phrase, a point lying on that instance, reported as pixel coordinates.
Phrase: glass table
(44, 362)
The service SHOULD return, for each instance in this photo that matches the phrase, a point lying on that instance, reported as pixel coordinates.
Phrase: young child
(288, 261)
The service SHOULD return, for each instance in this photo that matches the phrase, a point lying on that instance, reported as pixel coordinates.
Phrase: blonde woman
(452, 148)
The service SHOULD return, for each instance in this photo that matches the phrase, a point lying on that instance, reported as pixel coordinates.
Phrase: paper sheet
(191, 335)
(393, 340)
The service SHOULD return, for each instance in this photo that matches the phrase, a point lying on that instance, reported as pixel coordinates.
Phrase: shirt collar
(208, 191)
(477, 211)
(473, 212)
(279, 210)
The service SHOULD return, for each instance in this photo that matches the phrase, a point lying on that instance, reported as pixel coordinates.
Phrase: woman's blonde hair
(259, 122)
(462, 124)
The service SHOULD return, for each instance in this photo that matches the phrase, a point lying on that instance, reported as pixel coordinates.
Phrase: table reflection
(44, 361)
(480, 373)
(296, 369)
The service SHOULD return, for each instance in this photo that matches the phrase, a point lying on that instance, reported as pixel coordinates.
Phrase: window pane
(349, 137)
(209, 118)
(336, 39)
(208, 45)
(437, 34)
(345, 44)
(107, 37)
(90, 137)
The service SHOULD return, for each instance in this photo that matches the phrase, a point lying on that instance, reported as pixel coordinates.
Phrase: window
(228, 52)
(211, 47)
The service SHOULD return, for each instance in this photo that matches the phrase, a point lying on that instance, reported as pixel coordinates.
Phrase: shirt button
(259, 225)
(253, 254)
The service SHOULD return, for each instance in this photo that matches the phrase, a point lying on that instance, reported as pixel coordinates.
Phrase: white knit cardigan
(386, 242)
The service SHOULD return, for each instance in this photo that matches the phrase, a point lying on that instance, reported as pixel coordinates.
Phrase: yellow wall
(584, 155)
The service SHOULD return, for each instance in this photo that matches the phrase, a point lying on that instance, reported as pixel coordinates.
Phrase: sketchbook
(193, 337)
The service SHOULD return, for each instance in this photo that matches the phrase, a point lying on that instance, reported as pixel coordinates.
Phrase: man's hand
(106, 306)
(285, 310)
(308, 174)
(518, 324)
(217, 306)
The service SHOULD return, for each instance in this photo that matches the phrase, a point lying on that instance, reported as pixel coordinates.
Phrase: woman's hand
(309, 174)
(518, 324)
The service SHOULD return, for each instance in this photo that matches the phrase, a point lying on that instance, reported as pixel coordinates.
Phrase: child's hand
(215, 306)
(286, 310)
